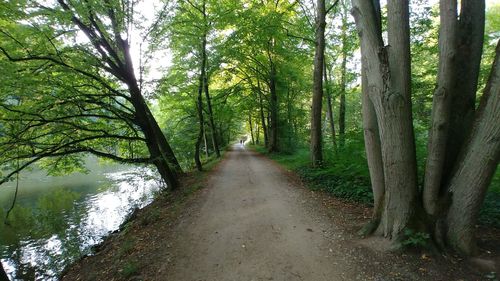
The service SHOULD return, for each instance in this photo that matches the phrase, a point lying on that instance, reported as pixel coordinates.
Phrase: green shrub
(414, 239)
(490, 211)
(130, 268)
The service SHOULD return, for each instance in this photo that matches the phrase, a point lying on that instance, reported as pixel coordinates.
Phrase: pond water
(56, 220)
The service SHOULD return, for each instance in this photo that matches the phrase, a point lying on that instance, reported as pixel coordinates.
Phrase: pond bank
(184, 235)
(122, 254)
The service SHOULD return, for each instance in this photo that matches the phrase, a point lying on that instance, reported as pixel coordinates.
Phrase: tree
(104, 63)
(343, 73)
(263, 47)
(319, 62)
(449, 209)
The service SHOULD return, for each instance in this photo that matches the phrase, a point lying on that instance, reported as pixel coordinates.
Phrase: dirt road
(254, 221)
(254, 224)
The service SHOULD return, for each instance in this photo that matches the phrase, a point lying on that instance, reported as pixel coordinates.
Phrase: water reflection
(49, 231)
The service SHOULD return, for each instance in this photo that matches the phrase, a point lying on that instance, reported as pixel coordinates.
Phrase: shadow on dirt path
(253, 220)
(252, 226)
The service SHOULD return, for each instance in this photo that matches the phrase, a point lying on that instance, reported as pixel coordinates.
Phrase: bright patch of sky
(155, 63)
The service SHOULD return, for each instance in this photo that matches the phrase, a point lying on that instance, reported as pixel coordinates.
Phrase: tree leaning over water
(89, 99)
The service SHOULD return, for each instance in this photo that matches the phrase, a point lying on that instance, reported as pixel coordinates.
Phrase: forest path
(254, 223)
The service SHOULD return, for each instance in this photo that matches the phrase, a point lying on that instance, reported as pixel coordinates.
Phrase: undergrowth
(345, 174)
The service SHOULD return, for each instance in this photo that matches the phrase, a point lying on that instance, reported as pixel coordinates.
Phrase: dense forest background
(171, 84)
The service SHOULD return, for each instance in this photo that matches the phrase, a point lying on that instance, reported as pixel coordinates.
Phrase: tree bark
(199, 104)
(156, 142)
(205, 83)
(373, 153)
(262, 117)
(251, 127)
(257, 133)
(205, 142)
(117, 55)
(329, 105)
(211, 119)
(476, 167)
(317, 98)
(388, 77)
(470, 36)
(273, 142)
(461, 41)
(343, 74)
(289, 116)
(441, 108)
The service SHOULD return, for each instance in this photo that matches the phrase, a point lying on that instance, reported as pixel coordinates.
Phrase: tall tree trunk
(273, 142)
(211, 119)
(144, 112)
(470, 36)
(205, 83)
(257, 134)
(343, 80)
(115, 51)
(205, 142)
(269, 124)
(373, 153)
(317, 98)
(199, 105)
(251, 127)
(289, 119)
(441, 108)
(476, 167)
(388, 77)
(460, 43)
(329, 105)
(262, 117)
(157, 144)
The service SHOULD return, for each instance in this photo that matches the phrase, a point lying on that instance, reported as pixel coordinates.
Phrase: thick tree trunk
(329, 104)
(398, 141)
(441, 108)
(470, 36)
(388, 77)
(143, 112)
(3, 274)
(477, 166)
(460, 40)
(373, 153)
(116, 53)
(153, 142)
(317, 98)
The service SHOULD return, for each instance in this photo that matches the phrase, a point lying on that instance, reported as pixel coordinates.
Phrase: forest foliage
(93, 77)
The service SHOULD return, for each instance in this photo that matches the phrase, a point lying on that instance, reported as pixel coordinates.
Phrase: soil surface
(255, 221)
